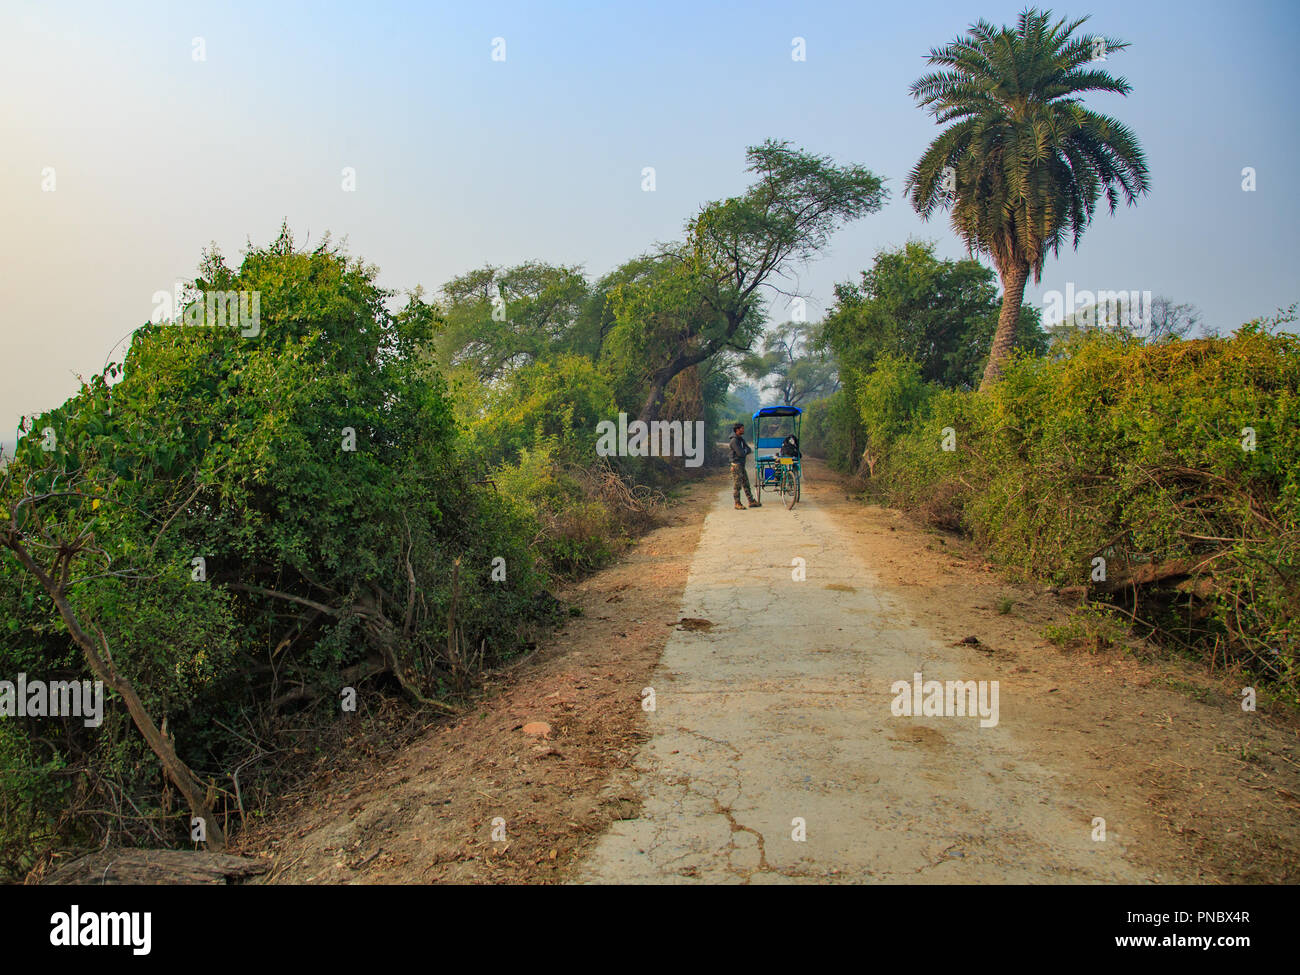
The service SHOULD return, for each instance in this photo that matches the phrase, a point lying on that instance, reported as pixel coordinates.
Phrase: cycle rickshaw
(776, 452)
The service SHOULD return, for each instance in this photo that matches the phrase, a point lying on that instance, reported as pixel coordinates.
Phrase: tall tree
(498, 319)
(941, 313)
(704, 295)
(792, 366)
(1024, 163)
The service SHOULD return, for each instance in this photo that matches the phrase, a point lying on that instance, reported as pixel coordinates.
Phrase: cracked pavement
(779, 713)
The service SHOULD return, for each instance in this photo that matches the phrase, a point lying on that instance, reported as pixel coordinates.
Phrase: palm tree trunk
(1013, 292)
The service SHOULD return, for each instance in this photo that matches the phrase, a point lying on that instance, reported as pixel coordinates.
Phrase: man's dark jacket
(739, 449)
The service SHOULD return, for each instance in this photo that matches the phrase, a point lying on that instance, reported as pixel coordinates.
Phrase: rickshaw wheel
(789, 488)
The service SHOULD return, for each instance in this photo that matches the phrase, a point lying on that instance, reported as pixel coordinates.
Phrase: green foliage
(34, 794)
(794, 367)
(496, 320)
(560, 400)
(702, 297)
(1029, 160)
(231, 448)
(1134, 453)
(941, 313)
(833, 428)
(584, 513)
(664, 323)
(890, 397)
(534, 433)
(910, 306)
(334, 467)
(1091, 627)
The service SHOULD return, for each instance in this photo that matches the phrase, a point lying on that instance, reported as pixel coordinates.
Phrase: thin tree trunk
(190, 787)
(101, 664)
(1013, 292)
(653, 401)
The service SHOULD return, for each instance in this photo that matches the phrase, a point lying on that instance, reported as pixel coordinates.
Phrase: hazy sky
(462, 160)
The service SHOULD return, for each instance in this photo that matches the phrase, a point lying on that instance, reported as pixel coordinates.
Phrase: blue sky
(461, 160)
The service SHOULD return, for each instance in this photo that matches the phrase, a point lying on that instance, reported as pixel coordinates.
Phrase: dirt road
(774, 719)
(778, 715)
(777, 753)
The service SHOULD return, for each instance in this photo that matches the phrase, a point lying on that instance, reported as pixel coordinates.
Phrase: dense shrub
(584, 513)
(556, 403)
(323, 565)
(1131, 453)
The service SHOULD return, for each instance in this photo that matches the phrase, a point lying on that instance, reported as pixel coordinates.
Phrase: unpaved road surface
(775, 756)
(779, 708)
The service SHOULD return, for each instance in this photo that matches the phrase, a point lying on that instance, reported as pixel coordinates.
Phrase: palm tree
(1024, 162)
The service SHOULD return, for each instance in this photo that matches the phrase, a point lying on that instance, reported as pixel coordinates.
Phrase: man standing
(739, 478)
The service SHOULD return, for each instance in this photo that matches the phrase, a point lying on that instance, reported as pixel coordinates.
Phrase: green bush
(323, 562)
(832, 431)
(1132, 453)
(557, 401)
(584, 513)
(890, 397)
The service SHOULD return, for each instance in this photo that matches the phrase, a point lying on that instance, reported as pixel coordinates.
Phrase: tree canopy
(705, 295)
(940, 313)
(1023, 163)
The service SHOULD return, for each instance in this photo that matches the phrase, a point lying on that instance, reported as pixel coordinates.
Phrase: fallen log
(1151, 573)
(123, 866)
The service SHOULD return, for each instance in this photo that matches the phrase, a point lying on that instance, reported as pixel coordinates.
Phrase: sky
(125, 152)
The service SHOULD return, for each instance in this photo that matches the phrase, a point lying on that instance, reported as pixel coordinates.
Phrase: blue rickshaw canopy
(778, 411)
(772, 443)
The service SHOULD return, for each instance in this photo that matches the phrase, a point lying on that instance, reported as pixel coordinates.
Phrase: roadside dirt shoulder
(426, 815)
(1209, 793)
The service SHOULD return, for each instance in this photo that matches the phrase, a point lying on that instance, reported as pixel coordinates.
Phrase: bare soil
(425, 814)
(1211, 793)
(1208, 793)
